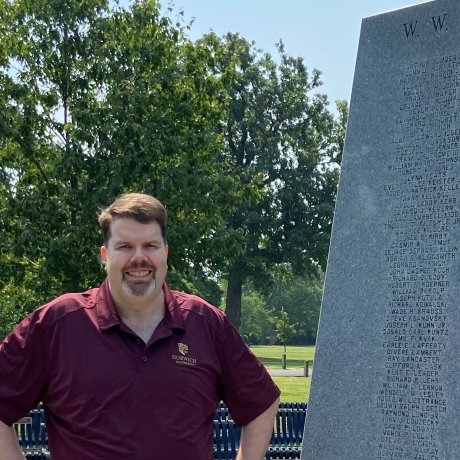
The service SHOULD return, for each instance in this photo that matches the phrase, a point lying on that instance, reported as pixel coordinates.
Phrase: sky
(324, 32)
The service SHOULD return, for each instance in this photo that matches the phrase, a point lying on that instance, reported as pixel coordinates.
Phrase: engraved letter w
(438, 23)
(410, 28)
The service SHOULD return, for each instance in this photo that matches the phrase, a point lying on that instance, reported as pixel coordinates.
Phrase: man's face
(136, 259)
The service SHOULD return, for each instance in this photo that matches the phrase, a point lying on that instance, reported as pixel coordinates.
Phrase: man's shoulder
(44, 319)
(190, 303)
(66, 304)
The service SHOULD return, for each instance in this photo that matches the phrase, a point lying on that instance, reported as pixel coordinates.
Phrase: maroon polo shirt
(108, 396)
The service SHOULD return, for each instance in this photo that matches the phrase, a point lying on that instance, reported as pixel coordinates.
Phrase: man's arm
(255, 436)
(9, 446)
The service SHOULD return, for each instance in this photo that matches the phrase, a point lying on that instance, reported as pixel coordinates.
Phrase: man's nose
(138, 255)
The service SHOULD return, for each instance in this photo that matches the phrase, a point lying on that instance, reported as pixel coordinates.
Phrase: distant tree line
(292, 302)
(97, 100)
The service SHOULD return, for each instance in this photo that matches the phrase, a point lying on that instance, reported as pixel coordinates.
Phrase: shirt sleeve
(23, 368)
(248, 389)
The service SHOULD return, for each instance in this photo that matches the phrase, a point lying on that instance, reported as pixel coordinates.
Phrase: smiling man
(135, 255)
(132, 369)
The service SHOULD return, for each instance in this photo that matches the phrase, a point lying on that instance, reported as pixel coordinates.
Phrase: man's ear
(166, 250)
(103, 254)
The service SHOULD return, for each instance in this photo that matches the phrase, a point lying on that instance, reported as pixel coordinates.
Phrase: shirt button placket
(144, 358)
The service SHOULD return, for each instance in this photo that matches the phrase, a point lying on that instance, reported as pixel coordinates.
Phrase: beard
(142, 288)
(138, 289)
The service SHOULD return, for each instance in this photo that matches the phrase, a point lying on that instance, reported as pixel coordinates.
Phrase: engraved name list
(422, 190)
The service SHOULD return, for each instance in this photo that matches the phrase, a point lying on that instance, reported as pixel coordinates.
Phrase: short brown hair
(139, 206)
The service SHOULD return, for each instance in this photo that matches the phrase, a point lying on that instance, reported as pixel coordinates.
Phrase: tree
(281, 138)
(96, 100)
(285, 331)
(284, 328)
(300, 297)
(258, 320)
(42, 44)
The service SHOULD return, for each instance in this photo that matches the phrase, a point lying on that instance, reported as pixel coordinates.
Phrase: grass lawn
(270, 355)
(293, 389)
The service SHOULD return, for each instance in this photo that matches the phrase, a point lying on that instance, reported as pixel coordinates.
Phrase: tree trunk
(234, 294)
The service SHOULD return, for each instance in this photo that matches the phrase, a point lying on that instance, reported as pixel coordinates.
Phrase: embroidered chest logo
(183, 348)
(183, 357)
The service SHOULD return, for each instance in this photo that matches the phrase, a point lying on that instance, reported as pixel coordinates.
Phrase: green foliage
(285, 329)
(15, 302)
(257, 319)
(281, 140)
(288, 301)
(96, 100)
(300, 297)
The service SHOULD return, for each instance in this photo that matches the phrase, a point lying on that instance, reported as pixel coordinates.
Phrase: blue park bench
(31, 432)
(286, 441)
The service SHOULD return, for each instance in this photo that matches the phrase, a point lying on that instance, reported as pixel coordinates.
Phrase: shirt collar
(174, 316)
(108, 316)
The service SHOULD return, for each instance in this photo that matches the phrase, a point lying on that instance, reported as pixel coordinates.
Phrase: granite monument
(386, 379)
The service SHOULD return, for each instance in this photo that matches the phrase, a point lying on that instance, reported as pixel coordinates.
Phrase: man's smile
(145, 272)
(138, 273)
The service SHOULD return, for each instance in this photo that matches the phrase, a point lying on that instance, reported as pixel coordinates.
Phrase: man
(133, 370)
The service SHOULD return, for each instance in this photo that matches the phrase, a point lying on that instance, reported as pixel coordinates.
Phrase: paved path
(287, 372)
